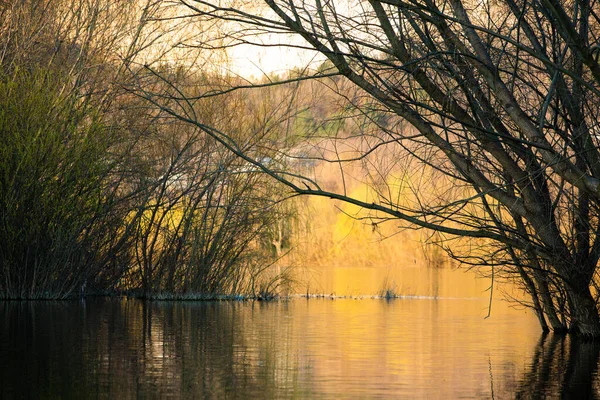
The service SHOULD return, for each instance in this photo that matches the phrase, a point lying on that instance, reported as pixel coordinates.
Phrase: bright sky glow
(250, 61)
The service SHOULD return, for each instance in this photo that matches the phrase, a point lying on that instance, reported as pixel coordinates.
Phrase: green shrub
(53, 182)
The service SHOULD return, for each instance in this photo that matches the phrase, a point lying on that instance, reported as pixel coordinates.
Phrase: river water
(319, 348)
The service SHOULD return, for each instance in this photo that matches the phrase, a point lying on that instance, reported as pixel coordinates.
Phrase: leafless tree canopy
(502, 98)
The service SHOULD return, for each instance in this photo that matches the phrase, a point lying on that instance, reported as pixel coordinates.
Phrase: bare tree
(501, 99)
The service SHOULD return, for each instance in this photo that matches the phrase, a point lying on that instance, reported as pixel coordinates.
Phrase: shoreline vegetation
(193, 297)
(100, 191)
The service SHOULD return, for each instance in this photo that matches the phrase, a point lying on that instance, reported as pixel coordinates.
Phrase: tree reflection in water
(122, 349)
(562, 366)
(118, 348)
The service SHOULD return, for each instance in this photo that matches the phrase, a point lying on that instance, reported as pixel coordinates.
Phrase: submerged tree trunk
(537, 306)
(548, 304)
(584, 313)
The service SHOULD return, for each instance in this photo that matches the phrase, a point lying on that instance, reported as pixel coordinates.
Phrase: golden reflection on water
(317, 348)
(421, 348)
(415, 280)
(346, 257)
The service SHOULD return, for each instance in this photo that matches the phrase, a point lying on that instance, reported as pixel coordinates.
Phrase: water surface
(318, 348)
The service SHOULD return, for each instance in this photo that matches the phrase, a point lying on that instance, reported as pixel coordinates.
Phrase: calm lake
(317, 348)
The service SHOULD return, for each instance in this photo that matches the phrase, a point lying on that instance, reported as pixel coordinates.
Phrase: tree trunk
(546, 298)
(539, 311)
(584, 313)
